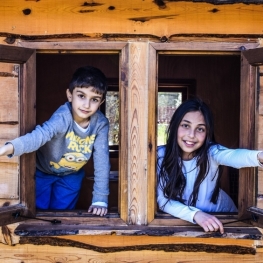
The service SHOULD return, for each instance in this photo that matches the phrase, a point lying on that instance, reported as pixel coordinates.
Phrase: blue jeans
(58, 192)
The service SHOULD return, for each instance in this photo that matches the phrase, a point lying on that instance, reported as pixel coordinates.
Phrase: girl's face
(191, 133)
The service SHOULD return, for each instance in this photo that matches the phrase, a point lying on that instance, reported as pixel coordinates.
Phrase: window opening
(112, 113)
(53, 74)
(167, 104)
(203, 69)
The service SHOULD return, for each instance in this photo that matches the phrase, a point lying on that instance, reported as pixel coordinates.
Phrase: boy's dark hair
(171, 176)
(88, 76)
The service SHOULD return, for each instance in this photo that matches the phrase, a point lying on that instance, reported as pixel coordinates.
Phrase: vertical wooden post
(134, 94)
(152, 132)
(259, 136)
(246, 195)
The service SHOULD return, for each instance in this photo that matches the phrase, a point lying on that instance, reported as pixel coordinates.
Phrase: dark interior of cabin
(216, 80)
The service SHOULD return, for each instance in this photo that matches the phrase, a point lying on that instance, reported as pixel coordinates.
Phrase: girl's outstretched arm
(208, 222)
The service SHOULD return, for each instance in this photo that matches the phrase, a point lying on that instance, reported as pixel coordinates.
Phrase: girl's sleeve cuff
(100, 204)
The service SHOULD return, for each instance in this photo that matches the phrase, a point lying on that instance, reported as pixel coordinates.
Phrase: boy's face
(85, 102)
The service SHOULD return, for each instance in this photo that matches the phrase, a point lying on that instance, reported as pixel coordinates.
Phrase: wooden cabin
(147, 49)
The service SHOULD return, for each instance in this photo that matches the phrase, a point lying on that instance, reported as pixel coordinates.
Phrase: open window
(220, 85)
(132, 67)
(17, 117)
(53, 74)
(35, 84)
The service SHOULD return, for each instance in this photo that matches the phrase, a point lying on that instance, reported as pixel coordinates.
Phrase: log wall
(158, 21)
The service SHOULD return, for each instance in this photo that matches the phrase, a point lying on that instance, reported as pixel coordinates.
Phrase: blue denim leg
(65, 191)
(44, 184)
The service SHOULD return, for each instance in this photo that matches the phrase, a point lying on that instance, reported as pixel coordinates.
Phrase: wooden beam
(129, 17)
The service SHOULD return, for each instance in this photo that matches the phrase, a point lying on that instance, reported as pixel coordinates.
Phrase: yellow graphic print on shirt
(70, 161)
(75, 159)
(77, 144)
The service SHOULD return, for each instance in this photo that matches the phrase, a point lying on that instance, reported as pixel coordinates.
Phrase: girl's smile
(191, 133)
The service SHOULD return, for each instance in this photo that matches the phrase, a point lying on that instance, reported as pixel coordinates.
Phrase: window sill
(108, 239)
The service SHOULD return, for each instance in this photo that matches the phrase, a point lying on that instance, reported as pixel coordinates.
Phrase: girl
(188, 167)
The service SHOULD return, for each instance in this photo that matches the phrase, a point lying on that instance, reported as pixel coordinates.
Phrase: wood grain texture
(123, 152)
(9, 104)
(53, 254)
(136, 17)
(246, 196)
(27, 124)
(138, 129)
(9, 131)
(9, 182)
(259, 134)
(152, 134)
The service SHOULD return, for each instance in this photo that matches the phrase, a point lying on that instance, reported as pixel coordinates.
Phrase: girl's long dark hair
(171, 178)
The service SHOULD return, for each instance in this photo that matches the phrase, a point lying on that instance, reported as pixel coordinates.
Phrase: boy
(65, 143)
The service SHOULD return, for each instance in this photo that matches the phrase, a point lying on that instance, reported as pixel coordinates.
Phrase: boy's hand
(208, 222)
(98, 210)
(7, 149)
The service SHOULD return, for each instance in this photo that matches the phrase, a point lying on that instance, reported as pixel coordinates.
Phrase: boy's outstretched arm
(208, 222)
(98, 210)
(7, 149)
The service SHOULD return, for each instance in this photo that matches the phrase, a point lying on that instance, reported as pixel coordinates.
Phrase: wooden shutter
(17, 117)
(250, 133)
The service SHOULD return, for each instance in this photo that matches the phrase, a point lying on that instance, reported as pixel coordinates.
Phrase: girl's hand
(208, 222)
(98, 210)
(260, 157)
(7, 149)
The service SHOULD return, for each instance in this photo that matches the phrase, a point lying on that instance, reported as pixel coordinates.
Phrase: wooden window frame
(247, 176)
(26, 58)
(138, 95)
(251, 59)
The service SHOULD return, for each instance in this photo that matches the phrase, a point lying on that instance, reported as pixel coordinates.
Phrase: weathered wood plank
(9, 104)
(9, 182)
(74, 47)
(246, 194)
(152, 106)
(8, 69)
(138, 17)
(14, 54)
(205, 45)
(123, 151)
(137, 119)
(9, 131)
(45, 253)
(259, 132)
(113, 244)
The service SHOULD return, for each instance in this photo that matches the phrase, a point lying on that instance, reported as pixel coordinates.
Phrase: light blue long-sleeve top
(218, 155)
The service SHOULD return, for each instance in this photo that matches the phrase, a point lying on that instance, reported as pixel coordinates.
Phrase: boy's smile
(85, 102)
(191, 133)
